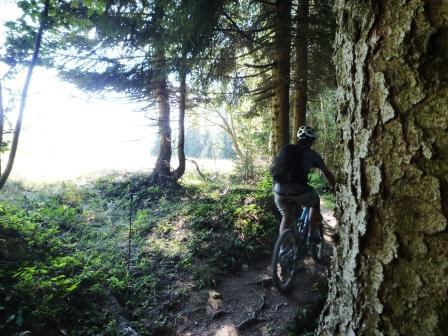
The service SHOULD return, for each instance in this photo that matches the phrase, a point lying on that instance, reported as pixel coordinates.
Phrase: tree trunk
(228, 126)
(162, 171)
(280, 74)
(2, 124)
(15, 140)
(181, 141)
(162, 168)
(389, 276)
(301, 68)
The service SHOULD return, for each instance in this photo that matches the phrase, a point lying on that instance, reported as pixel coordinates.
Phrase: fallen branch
(250, 321)
(197, 168)
(183, 329)
(263, 305)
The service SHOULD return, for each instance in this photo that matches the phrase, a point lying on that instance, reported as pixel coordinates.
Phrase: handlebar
(325, 189)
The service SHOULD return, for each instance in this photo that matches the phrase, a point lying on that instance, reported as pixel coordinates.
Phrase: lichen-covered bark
(390, 273)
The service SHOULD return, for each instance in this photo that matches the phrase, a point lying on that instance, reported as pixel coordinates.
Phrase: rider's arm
(329, 176)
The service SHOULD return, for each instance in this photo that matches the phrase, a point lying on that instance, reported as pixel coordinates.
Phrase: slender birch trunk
(182, 106)
(16, 136)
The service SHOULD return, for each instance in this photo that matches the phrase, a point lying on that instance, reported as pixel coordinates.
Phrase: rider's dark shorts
(287, 204)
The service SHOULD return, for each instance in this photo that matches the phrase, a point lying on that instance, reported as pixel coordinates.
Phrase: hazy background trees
(247, 67)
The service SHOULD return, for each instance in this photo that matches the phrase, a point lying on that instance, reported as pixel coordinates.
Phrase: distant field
(41, 169)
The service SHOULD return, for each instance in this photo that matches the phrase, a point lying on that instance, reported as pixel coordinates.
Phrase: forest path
(246, 304)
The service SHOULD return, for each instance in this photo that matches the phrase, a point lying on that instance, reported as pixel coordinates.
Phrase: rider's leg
(315, 217)
(288, 216)
(289, 211)
(311, 199)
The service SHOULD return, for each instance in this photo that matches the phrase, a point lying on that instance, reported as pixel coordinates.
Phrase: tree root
(264, 283)
(254, 318)
(262, 306)
(250, 321)
(284, 304)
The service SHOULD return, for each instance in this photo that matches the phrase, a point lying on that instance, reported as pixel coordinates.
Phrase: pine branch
(260, 66)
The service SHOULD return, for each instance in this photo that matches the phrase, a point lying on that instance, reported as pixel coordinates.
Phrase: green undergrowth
(317, 181)
(71, 265)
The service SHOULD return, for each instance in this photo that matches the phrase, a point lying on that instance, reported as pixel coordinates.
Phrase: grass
(65, 250)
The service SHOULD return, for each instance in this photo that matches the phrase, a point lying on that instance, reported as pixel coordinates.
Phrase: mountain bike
(292, 245)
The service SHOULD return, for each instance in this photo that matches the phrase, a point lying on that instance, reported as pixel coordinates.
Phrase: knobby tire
(283, 263)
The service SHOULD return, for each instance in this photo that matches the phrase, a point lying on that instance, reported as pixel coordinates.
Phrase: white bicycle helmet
(306, 133)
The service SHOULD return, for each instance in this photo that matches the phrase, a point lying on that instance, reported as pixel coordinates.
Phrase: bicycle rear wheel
(283, 263)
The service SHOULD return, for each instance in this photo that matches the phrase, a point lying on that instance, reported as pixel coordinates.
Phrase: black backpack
(287, 165)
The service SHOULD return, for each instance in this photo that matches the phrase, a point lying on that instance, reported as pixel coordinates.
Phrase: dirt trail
(247, 304)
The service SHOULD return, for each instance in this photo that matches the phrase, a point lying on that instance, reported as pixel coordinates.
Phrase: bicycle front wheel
(283, 263)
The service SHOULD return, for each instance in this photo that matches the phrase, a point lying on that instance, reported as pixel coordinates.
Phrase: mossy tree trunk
(179, 172)
(390, 271)
(301, 68)
(280, 74)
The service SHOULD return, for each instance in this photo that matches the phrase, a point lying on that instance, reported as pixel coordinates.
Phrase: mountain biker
(290, 196)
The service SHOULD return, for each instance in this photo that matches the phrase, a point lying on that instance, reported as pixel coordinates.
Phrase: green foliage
(4, 146)
(323, 117)
(65, 250)
(319, 182)
(44, 273)
(229, 229)
(249, 221)
(316, 180)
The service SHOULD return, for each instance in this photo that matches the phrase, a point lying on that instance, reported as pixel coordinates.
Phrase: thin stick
(15, 140)
(131, 196)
